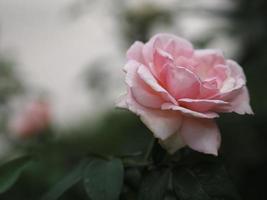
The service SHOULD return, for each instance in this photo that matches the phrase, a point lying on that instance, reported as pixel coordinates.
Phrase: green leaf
(103, 179)
(67, 182)
(154, 185)
(10, 172)
(203, 182)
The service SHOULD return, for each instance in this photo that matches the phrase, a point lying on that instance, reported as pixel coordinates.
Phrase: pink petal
(220, 72)
(121, 102)
(178, 45)
(182, 83)
(201, 135)
(135, 52)
(209, 57)
(150, 80)
(236, 78)
(161, 60)
(240, 104)
(142, 92)
(236, 70)
(162, 123)
(206, 60)
(185, 62)
(207, 90)
(188, 112)
(204, 105)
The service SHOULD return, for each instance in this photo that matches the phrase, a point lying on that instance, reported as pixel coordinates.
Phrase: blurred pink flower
(32, 119)
(178, 91)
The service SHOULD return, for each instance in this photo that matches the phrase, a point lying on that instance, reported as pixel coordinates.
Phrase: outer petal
(207, 59)
(241, 104)
(236, 78)
(234, 89)
(162, 123)
(187, 112)
(171, 43)
(204, 105)
(142, 92)
(201, 135)
(236, 70)
(135, 52)
(121, 102)
(150, 80)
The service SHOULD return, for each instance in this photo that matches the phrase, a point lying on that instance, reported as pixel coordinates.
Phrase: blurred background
(62, 61)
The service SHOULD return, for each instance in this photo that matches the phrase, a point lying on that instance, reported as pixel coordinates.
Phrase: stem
(149, 148)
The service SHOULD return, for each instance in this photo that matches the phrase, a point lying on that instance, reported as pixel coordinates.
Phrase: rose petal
(182, 83)
(240, 104)
(135, 52)
(121, 102)
(187, 63)
(207, 91)
(142, 92)
(162, 123)
(204, 105)
(236, 70)
(150, 80)
(236, 78)
(207, 59)
(178, 45)
(161, 60)
(187, 112)
(201, 135)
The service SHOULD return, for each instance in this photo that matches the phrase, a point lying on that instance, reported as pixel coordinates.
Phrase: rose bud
(31, 120)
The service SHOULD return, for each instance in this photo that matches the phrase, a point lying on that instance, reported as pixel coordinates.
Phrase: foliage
(125, 173)
(10, 171)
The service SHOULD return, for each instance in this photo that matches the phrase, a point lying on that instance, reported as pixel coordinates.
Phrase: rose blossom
(32, 119)
(178, 91)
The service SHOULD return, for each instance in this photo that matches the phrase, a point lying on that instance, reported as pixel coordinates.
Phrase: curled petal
(240, 104)
(135, 52)
(188, 112)
(204, 105)
(161, 60)
(173, 45)
(206, 60)
(201, 135)
(121, 102)
(182, 83)
(209, 57)
(142, 92)
(236, 70)
(162, 123)
(207, 91)
(150, 80)
(236, 78)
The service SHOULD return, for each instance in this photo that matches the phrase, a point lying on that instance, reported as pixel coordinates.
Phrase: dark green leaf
(203, 182)
(71, 179)
(10, 171)
(187, 186)
(154, 185)
(103, 179)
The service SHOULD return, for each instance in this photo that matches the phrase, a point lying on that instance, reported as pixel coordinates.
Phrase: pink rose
(178, 91)
(32, 119)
